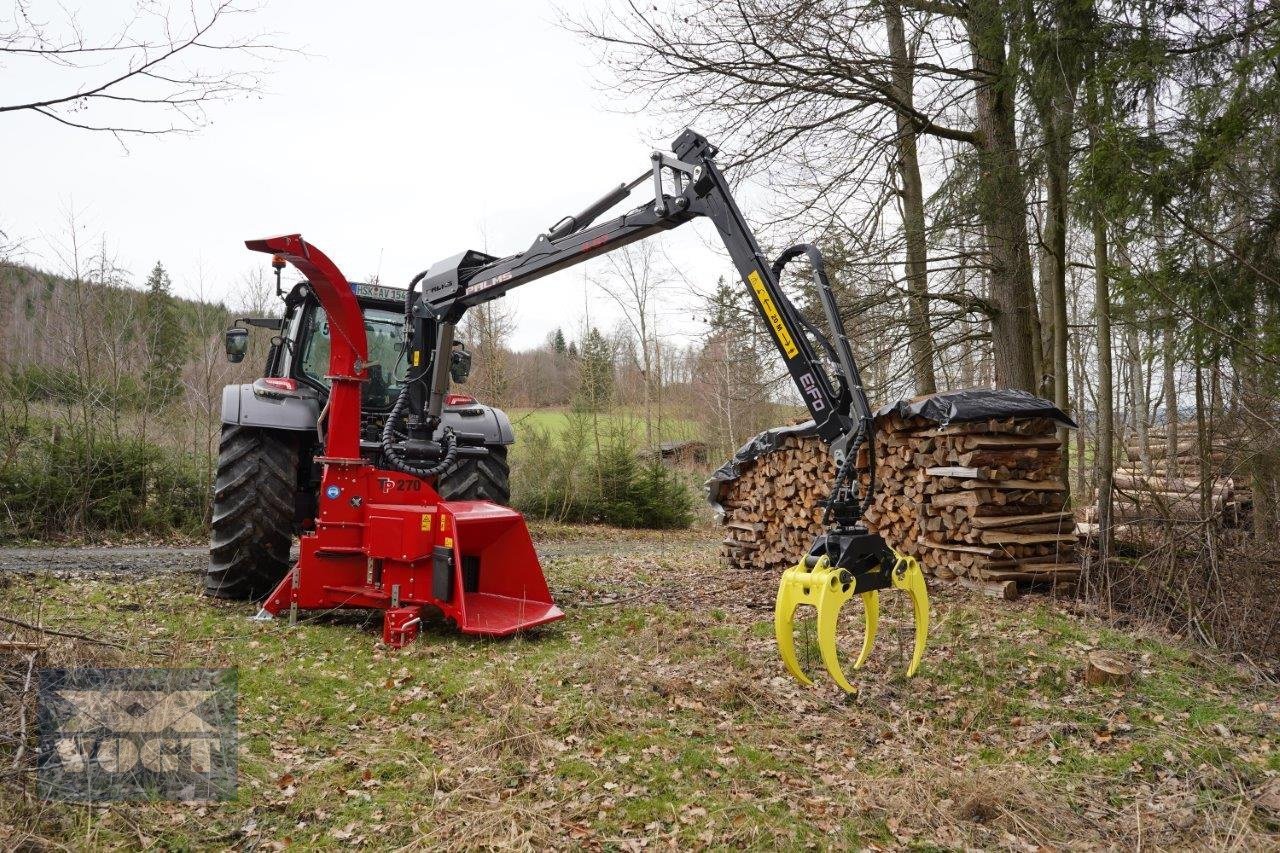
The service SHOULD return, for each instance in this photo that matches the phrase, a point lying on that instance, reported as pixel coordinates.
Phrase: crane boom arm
(687, 184)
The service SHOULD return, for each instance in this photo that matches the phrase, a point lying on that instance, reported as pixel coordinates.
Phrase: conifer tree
(595, 374)
(165, 340)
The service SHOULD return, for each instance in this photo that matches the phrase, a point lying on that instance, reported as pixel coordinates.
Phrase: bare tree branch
(118, 82)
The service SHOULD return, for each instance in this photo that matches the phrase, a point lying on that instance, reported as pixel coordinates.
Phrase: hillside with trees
(109, 397)
(110, 393)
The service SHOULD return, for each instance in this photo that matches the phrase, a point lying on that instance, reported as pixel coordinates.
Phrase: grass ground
(657, 714)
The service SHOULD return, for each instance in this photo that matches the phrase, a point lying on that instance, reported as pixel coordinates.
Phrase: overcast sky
(410, 131)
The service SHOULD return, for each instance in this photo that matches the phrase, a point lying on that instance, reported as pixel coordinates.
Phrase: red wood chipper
(385, 539)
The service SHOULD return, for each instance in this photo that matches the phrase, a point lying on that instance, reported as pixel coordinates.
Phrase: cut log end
(1004, 590)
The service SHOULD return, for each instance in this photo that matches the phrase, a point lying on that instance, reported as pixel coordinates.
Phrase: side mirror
(460, 365)
(237, 344)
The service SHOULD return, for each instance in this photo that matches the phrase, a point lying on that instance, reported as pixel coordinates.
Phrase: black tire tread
(484, 478)
(252, 519)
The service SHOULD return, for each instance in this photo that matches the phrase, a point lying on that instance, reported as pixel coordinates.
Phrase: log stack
(771, 511)
(982, 501)
(1172, 491)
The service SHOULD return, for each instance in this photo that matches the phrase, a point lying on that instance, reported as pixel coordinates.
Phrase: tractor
(268, 479)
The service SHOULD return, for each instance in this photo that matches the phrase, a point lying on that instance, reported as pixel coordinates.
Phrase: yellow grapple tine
(790, 596)
(871, 603)
(831, 597)
(907, 576)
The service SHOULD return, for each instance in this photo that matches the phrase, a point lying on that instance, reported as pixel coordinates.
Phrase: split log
(1006, 590)
(1015, 520)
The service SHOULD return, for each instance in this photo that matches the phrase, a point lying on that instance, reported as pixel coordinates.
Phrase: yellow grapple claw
(832, 595)
(825, 590)
(907, 576)
(871, 603)
(793, 590)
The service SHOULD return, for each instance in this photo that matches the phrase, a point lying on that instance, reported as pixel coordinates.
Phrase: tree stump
(1106, 668)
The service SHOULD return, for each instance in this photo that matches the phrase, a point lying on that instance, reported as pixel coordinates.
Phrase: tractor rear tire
(482, 478)
(253, 506)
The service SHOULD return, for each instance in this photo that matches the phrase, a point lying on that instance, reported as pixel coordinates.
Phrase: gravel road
(110, 560)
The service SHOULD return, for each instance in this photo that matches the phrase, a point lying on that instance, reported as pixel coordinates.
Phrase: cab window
(387, 368)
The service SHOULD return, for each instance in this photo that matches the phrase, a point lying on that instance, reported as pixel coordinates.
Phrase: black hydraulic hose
(448, 440)
(849, 368)
(397, 462)
(813, 330)
(408, 296)
(826, 297)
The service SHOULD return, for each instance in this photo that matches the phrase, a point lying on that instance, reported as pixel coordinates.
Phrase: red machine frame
(387, 540)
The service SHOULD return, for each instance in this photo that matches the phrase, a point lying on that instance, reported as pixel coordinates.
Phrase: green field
(609, 427)
(617, 423)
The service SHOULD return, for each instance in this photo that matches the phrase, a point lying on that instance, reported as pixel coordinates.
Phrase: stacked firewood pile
(982, 502)
(771, 511)
(1172, 490)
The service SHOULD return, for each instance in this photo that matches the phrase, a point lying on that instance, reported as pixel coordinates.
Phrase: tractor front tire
(481, 478)
(253, 505)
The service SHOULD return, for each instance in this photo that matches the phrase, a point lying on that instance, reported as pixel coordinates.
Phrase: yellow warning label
(448, 541)
(426, 523)
(417, 355)
(771, 311)
(444, 522)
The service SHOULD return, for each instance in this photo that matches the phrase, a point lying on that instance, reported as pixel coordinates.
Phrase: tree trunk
(1058, 60)
(1203, 453)
(1078, 368)
(1002, 200)
(1170, 392)
(1044, 278)
(1102, 308)
(1056, 238)
(1138, 391)
(920, 330)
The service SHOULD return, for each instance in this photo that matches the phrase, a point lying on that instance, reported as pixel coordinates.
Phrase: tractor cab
(302, 352)
(298, 359)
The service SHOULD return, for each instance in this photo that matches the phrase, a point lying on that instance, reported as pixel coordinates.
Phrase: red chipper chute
(384, 539)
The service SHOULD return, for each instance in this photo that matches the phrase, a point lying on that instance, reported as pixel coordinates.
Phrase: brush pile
(978, 500)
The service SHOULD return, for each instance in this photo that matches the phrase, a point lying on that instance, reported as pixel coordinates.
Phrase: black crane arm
(693, 187)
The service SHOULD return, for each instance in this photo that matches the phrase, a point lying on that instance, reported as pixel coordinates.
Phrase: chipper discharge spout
(383, 536)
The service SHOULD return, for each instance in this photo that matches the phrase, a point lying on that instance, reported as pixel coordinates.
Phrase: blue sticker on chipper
(332, 492)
